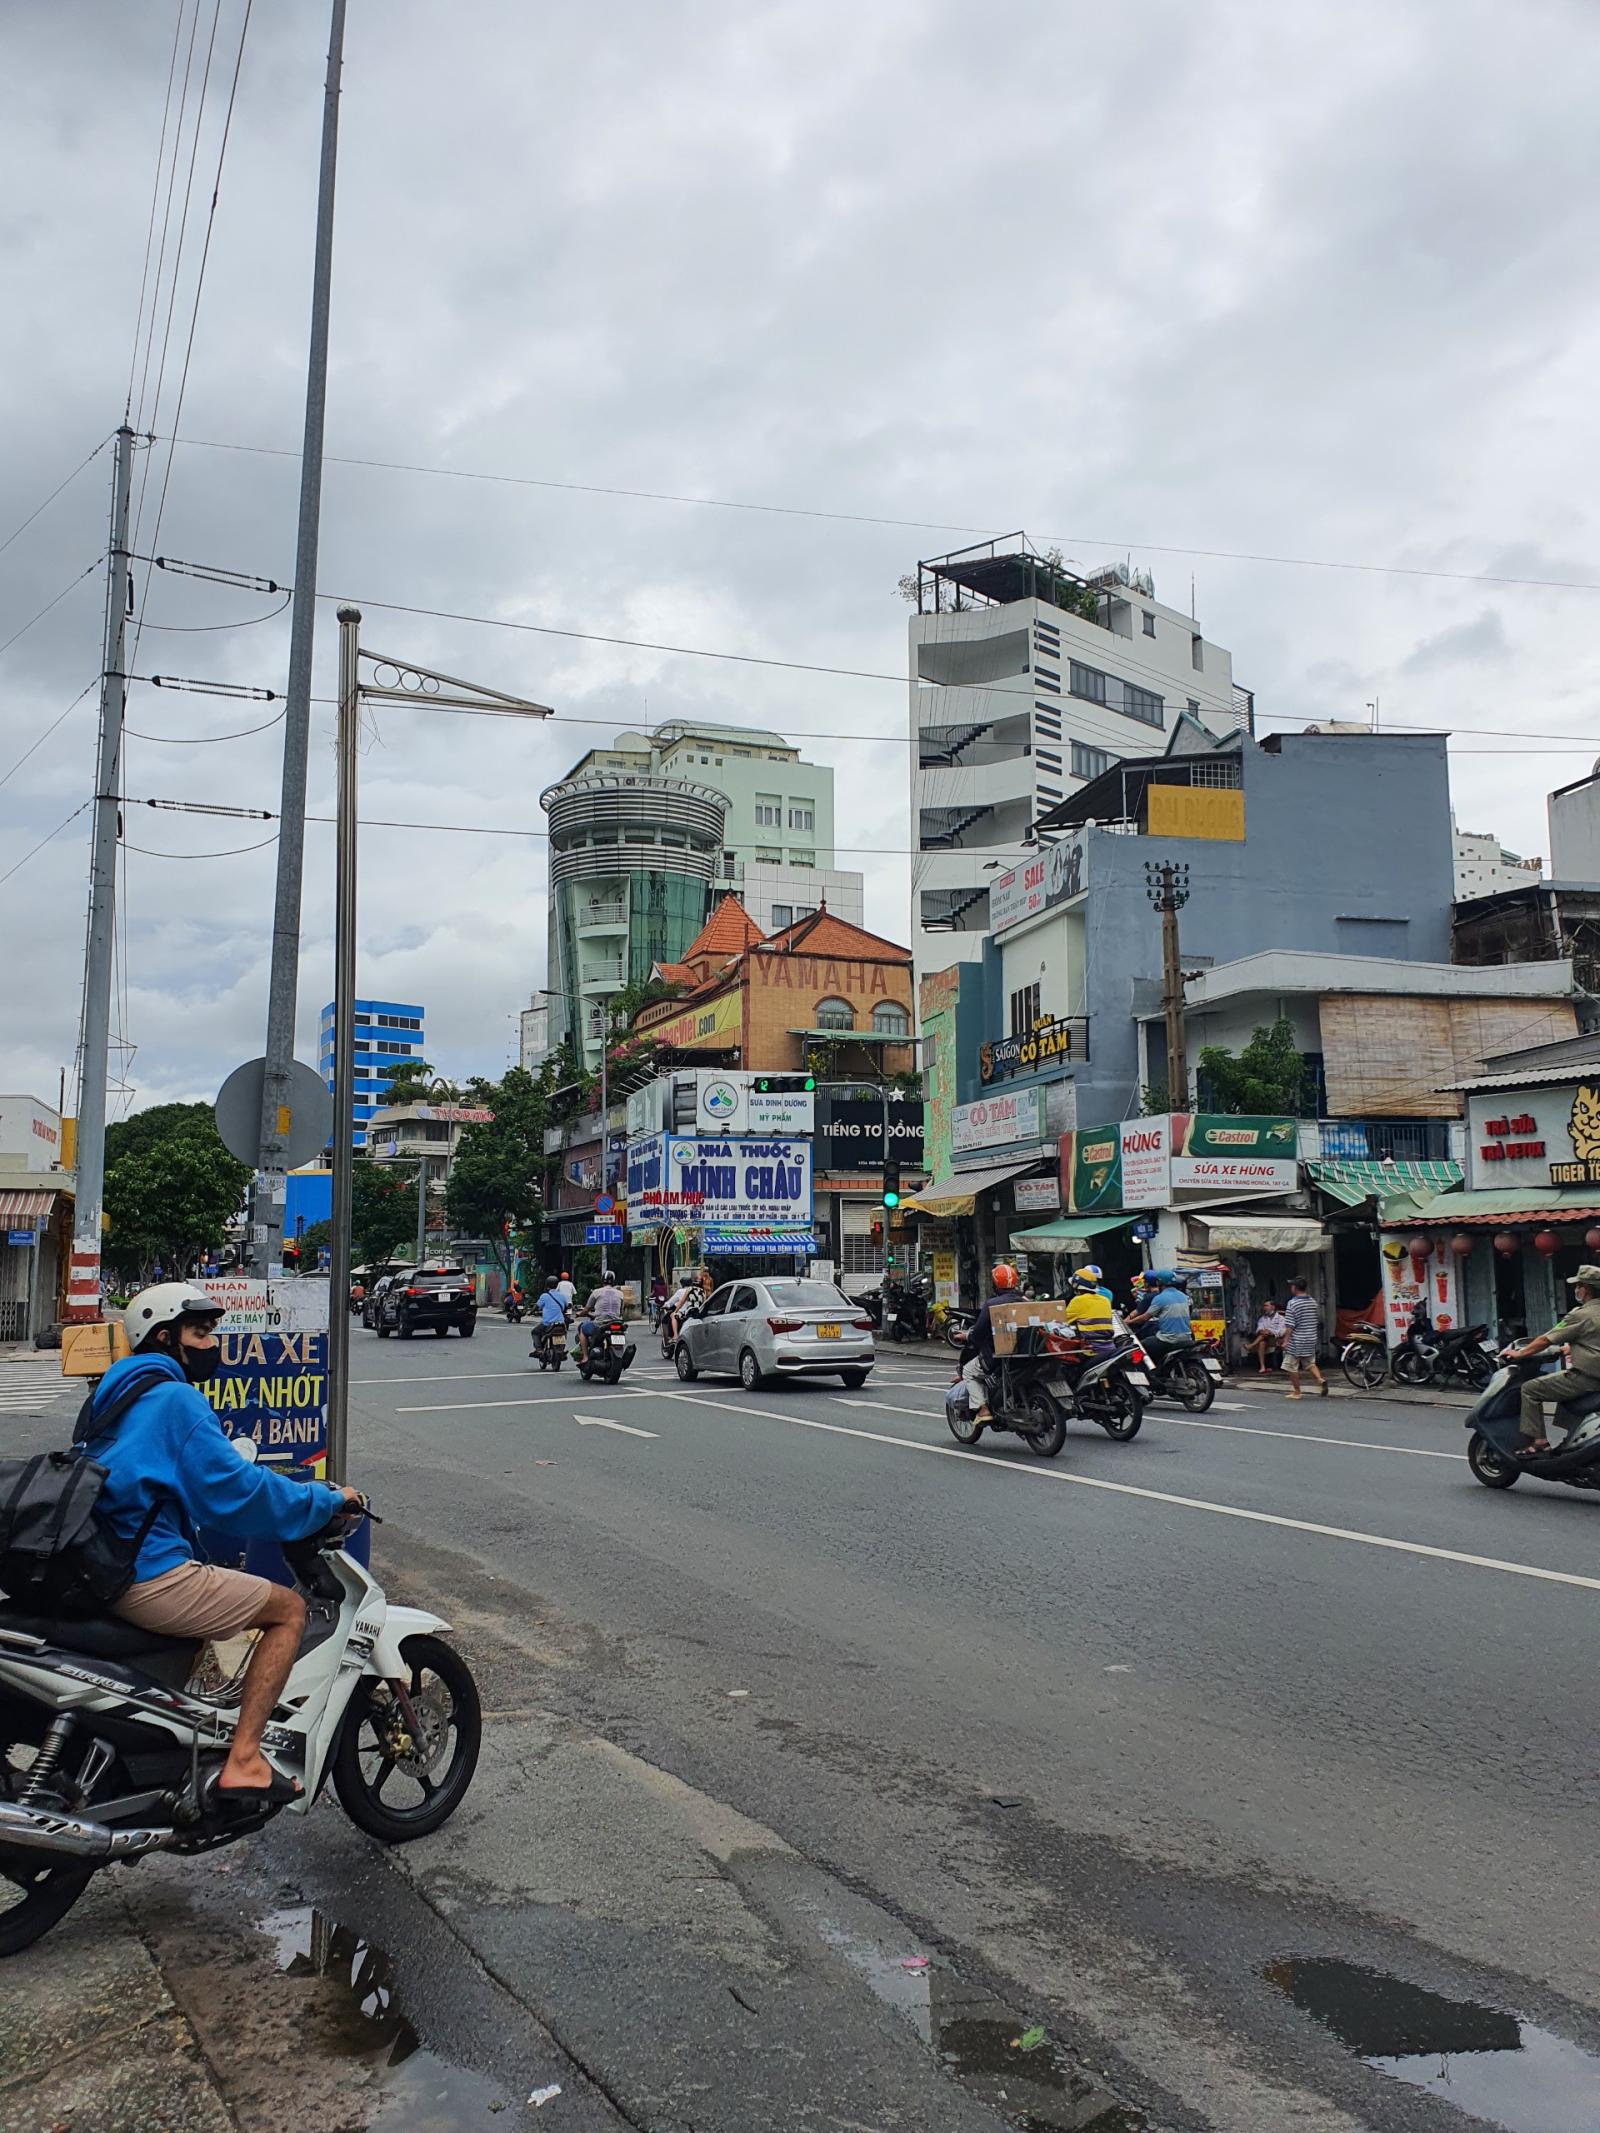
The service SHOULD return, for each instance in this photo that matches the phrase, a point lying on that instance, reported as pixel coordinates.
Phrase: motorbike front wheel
(955, 1332)
(389, 1783)
(1413, 1368)
(1490, 1467)
(1477, 1368)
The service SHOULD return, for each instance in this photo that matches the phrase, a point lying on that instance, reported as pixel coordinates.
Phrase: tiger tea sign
(1538, 1137)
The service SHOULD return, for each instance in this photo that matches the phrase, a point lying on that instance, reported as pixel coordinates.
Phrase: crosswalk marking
(29, 1385)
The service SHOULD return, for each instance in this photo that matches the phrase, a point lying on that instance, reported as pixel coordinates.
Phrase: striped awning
(783, 1240)
(20, 1208)
(1353, 1180)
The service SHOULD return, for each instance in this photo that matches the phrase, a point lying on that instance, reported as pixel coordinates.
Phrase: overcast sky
(1297, 282)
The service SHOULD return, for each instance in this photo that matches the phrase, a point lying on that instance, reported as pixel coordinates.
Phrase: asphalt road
(1252, 1761)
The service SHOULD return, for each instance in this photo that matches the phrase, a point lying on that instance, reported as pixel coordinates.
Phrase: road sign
(603, 1203)
(602, 1233)
(19, 1236)
(1143, 1232)
(238, 1113)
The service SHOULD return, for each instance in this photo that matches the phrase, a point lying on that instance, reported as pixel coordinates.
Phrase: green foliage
(312, 1239)
(383, 1212)
(1155, 1102)
(1067, 592)
(415, 1082)
(498, 1172)
(171, 1189)
(1267, 1079)
(643, 992)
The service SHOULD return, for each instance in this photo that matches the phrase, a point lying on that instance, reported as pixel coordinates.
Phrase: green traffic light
(891, 1199)
(811, 1081)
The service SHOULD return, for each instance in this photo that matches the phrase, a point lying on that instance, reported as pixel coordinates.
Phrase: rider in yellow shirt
(1089, 1309)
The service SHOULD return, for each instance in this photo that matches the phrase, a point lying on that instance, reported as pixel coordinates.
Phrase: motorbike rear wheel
(1477, 1368)
(1490, 1467)
(1127, 1412)
(36, 1891)
(1046, 1429)
(1191, 1385)
(955, 1330)
(432, 1781)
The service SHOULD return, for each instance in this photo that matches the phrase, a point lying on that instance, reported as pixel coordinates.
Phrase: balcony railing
(610, 914)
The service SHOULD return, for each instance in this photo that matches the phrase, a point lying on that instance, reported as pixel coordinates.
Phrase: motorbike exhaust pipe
(48, 1829)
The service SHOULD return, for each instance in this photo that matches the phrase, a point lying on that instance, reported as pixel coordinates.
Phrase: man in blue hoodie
(169, 1461)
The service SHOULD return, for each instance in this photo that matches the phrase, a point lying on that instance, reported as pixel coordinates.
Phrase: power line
(56, 602)
(910, 525)
(155, 190)
(804, 666)
(233, 852)
(54, 493)
(39, 743)
(43, 841)
(204, 740)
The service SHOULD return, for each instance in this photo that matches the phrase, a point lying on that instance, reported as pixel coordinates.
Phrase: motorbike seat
(97, 1636)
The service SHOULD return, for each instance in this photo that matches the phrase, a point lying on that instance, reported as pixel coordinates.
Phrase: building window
(1149, 622)
(769, 810)
(802, 859)
(835, 1014)
(1197, 652)
(765, 856)
(1142, 703)
(1194, 705)
(782, 915)
(1088, 682)
(1090, 762)
(891, 1020)
(1224, 773)
(802, 816)
(1024, 1010)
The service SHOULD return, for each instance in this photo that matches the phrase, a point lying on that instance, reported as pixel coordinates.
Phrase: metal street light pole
(284, 981)
(407, 684)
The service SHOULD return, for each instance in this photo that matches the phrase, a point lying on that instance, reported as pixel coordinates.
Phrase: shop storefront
(1530, 1214)
(970, 1212)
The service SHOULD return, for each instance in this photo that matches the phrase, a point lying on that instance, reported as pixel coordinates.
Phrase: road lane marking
(1166, 1421)
(1166, 1496)
(545, 1399)
(605, 1422)
(444, 1377)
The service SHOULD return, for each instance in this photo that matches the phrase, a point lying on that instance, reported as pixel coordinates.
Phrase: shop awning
(1068, 1233)
(782, 1239)
(1261, 1233)
(1510, 1203)
(952, 1194)
(17, 1208)
(1352, 1180)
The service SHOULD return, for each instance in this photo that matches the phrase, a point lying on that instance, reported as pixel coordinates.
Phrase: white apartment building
(1027, 679)
(1483, 865)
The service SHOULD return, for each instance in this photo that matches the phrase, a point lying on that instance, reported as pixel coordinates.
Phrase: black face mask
(199, 1364)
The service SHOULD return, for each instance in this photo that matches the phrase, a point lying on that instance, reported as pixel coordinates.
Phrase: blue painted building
(1328, 843)
(388, 1032)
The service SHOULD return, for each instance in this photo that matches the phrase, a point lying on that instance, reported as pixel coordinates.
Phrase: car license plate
(827, 1333)
(1213, 1367)
(1137, 1377)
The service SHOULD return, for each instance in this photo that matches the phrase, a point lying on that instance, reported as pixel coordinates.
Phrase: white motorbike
(109, 1745)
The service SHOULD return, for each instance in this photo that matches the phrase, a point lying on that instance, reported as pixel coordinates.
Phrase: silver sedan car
(781, 1328)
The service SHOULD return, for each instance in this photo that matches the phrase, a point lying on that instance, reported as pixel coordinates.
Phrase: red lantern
(1547, 1243)
(1461, 1244)
(1591, 1238)
(1420, 1249)
(1505, 1244)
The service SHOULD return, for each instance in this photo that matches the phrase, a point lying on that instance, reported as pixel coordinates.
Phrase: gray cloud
(1463, 644)
(1232, 280)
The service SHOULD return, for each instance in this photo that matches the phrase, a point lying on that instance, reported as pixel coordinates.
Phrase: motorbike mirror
(247, 1448)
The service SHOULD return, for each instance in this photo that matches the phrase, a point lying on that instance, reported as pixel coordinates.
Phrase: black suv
(436, 1296)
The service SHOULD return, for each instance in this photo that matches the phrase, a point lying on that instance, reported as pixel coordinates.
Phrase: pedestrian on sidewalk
(1301, 1317)
(1272, 1330)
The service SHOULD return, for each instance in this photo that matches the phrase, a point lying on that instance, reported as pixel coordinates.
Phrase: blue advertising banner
(273, 1383)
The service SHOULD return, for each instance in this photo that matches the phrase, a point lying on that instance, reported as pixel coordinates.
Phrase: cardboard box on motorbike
(1009, 1319)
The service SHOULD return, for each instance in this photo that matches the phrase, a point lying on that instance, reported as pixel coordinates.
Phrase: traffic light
(784, 1084)
(891, 1184)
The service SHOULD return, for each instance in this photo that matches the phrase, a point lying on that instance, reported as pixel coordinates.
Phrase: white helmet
(164, 1305)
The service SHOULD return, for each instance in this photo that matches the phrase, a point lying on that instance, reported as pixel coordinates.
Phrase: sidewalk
(92, 2037)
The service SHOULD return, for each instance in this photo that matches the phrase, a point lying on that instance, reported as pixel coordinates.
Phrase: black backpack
(58, 1556)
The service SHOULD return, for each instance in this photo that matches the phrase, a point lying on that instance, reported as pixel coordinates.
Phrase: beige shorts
(195, 1600)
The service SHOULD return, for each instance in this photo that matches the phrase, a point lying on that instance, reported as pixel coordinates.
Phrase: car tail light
(786, 1325)
(416, 1292)
(862, 1325)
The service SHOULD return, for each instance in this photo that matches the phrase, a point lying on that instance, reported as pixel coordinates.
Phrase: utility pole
(1168, 889)
(283, 985)
(422, 1208)
(83, 1280)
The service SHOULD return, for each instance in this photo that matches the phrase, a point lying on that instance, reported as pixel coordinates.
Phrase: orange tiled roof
(729, 931)
(823, 934)
(675, 974)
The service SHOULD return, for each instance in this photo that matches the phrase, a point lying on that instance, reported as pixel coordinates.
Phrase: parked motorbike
(956, 1325)
(1415, 1361)
(1184, 1372)
(1466, 1357)
(872, 1304)
(609, 1353)
(912, 1302)
(1493, 1440)
(1364, 1357)
(513, 1308)
(549, 1346)
(107, 1753)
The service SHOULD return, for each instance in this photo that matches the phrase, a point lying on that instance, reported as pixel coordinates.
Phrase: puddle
(357, 2021)
(975, 2038)
(1490, 2064)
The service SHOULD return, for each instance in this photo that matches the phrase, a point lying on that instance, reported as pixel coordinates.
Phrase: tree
(171, 1189)
(497, 1174)
(383, 1211)
(1268, 1079)
(413, 1081)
